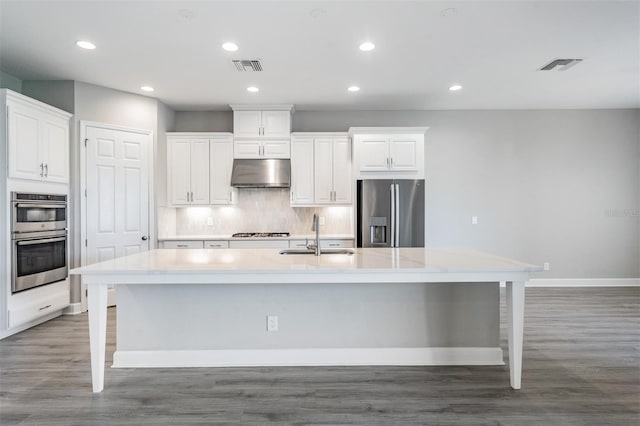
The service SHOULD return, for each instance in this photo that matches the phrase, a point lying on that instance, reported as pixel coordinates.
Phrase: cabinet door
(179, 168)
(200, 171)
(55, 150)
(402, 153)
(247, 124)
(275, 149)
(221, 164)
(247, 149)
(323, 166)
(276, 124)
(342, 171)
(374, 155)
(256, 244)
(25, 160)
(302, 171)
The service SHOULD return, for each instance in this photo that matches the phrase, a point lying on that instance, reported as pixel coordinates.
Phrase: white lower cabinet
(28, 306)
(217, 244)
(183, 244)
(332, 243)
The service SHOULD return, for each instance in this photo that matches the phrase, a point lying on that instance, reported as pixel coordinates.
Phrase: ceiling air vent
(560, 64)
(243, 65)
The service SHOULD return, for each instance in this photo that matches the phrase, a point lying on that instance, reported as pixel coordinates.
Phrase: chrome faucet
(315, 226)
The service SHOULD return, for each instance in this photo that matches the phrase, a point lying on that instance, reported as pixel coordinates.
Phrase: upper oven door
(33, 216)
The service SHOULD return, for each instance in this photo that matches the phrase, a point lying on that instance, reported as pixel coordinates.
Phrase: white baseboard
(73, 309)
(308, 357)
(584, 282)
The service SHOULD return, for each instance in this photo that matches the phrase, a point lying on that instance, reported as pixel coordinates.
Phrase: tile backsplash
(257, 210)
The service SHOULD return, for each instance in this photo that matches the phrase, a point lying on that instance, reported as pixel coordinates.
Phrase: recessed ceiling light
(367, 46)
(147, 88)
(230, 46)
(455, 87)
(252, 89)
(85, 44)
(353, 88)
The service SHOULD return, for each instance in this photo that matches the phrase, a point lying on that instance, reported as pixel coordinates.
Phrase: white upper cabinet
(389, 152)
(188, 170)
(38, 140)
(220, 166)
(302, 171)
(262, 131)
(320, 169)
(332, 165)
(255, 121)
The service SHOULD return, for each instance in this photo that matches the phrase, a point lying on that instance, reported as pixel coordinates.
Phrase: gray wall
(557, 186)
(8, 81)
(59, 93)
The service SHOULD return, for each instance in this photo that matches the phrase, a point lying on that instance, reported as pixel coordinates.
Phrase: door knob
(144, 238)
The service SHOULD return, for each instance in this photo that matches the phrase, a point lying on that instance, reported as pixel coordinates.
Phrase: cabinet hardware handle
(44, 307)
(192, 197)
(334, 245)
(387, 162)
(41, 169)
(46, 170)
(182, 245)
(391, 162)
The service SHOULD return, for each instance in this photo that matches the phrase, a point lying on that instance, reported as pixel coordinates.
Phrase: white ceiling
(310, 55)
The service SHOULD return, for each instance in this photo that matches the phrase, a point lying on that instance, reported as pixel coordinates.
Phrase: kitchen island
(186, 308)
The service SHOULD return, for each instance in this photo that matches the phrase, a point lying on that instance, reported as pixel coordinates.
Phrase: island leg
(515, 319)
(97, 305)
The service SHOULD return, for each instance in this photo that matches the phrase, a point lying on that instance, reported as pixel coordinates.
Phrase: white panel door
(179, 171)
(117, 182)
(302, 175)
(24, 135)
(374, 154)
(247, 124)
(323, 165)
(402, 153)
(55, 150)
(342, 171)
(200, 171)
(221, 165)
(276, 124)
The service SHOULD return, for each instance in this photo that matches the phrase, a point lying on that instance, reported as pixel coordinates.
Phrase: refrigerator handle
(396, 203)
(393, 215)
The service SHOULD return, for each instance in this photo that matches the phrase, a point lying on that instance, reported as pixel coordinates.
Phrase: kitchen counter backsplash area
(257, 210)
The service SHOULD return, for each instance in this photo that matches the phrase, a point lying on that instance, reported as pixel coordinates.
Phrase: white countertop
(208, 237)
(206, 262)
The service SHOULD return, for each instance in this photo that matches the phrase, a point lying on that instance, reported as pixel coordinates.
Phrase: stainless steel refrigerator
(390, 213)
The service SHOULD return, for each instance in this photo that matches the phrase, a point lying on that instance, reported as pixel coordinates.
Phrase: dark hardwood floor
(581, 367)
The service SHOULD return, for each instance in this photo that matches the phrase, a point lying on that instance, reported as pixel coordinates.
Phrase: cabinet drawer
(38, 308)
(259, 244)
(182, 244)
(216, 244)
(298, 243)
(336, 243)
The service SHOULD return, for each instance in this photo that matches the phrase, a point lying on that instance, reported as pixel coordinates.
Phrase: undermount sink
(323, 251)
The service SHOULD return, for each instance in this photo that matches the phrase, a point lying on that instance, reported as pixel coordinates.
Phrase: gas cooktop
(260, 234)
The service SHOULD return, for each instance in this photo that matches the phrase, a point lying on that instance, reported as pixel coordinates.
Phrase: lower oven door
(39, 261)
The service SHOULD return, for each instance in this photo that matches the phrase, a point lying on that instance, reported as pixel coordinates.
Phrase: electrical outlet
(546, 266)
(272, 323)
(322, 220)
(474, 220)
(209, 221)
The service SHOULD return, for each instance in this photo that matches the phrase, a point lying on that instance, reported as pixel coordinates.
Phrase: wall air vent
(560, 64)
(243, 65)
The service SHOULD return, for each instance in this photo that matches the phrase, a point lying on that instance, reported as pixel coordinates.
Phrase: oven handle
(40, 241)
(43, 206)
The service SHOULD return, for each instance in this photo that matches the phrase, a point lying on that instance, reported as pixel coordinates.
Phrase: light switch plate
(474, 220)
(272, 323)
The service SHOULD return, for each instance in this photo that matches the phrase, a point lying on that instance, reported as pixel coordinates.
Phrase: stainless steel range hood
(270, 173)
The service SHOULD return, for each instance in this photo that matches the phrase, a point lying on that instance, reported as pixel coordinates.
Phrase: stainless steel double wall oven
(39, 240)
